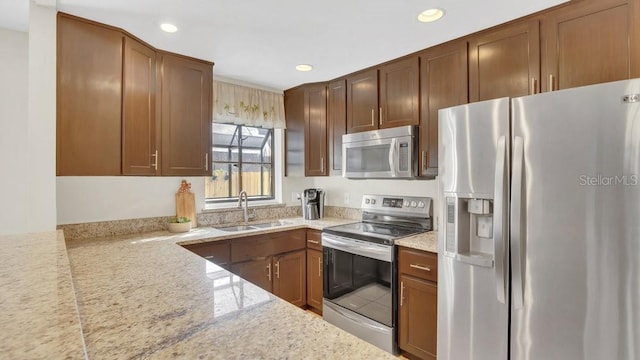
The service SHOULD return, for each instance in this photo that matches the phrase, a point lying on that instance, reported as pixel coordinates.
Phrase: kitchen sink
(237, 228)
(268, 225)
(252, 226)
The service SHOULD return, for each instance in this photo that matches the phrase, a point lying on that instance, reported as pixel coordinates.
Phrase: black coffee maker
(312, 204)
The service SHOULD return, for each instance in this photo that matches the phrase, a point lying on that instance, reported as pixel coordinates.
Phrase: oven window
(361, 284)
(368, 158)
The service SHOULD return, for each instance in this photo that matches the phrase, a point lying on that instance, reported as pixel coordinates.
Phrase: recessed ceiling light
(430, 15)
(170, 28)
(304, 67)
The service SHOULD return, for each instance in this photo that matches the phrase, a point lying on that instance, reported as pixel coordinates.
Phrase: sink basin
(237, 228)
(267, 225)
(252, 226)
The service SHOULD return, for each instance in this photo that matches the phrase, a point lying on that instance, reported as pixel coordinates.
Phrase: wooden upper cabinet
(337, 122)
(591, 42)
(294, 112)
(89, 95)
(186, 116)
(315, 144)
(505, 61)
(400, 93)
(140, 138)
(362, 101)
(443, 81)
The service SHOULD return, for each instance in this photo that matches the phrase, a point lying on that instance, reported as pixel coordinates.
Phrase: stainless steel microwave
(378, 154)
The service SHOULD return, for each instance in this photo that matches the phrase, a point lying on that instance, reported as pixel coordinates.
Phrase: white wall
(14, 57)
(41, 127)
(104, 198)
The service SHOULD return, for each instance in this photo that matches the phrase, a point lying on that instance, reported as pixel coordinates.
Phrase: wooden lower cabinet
(289, 277)
(218, 252)
(259, 272)
(314, 279)
(418, 303)
(418, 317)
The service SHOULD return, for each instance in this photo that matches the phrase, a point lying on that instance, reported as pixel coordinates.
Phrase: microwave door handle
(392, 157)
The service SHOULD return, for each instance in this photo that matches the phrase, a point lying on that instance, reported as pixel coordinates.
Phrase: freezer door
(473, 253)
(575, 224)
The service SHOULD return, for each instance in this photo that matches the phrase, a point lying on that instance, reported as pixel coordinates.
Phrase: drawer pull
(420, 267)
(210, 257)
(313, 241)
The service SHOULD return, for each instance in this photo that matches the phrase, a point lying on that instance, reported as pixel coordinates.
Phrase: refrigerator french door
(565, 210)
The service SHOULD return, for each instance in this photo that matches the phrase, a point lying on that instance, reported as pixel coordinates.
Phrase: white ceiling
(260, 41)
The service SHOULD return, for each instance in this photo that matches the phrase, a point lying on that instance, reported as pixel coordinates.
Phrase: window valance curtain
(243, 105)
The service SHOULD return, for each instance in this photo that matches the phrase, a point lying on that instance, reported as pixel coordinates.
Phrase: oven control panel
(397, 204)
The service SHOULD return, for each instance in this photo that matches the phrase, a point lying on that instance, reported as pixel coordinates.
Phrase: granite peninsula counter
(144, 296)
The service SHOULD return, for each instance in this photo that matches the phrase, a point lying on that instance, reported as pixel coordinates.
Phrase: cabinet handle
(210, 257)
(401, 292)
(269, 271)
(319, 267)
(373, 117)
(534, 86)
(322, 164)
(155, 160)
(550, 82)
(424, 160)
(313, 241)
(420, 267)
(380, 116)
(206, 161)
(278, 270)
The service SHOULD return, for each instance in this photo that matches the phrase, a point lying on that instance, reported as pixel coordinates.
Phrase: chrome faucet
(246, 205)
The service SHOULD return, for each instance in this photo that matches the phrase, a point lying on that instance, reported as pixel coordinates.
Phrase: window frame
(230, 163)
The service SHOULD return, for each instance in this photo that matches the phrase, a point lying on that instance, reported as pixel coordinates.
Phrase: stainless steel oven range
(360, 271)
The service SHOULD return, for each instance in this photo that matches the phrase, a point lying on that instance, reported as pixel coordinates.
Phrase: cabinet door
(505, 62)
(314, 279)
(259, 272)
(591, 42)
(186, 116)
(400, 93)
(140, 136)
(89, 95)
(418, 317)
(443, 74)
(294, 113)
(362, 101)
(337, 122)
(315, 144)
(289, 282)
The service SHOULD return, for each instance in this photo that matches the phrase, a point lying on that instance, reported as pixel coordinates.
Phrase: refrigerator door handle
(516, 223)
(499, 217)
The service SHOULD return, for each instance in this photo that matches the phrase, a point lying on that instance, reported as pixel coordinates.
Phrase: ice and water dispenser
(469, 230)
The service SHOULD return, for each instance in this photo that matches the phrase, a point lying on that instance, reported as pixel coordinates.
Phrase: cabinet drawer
(421, 264)
(314, 239)
(258, 246)
(218, 252)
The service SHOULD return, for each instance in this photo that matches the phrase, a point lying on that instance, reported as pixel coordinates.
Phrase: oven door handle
(371, 250)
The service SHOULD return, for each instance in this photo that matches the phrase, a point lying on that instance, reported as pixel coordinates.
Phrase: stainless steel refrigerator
(539, 241)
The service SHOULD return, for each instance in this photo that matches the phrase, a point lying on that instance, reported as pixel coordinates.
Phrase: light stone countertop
(144, 296)
(38, 314)
(427, 241)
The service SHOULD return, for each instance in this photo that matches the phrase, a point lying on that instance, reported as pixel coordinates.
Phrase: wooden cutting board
(186, 203)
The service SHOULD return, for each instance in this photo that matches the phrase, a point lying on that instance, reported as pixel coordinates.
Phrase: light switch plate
(294, 196)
